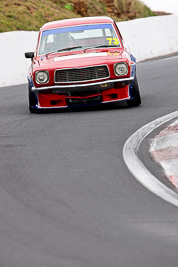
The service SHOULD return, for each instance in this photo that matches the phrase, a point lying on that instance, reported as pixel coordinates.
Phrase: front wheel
(136, 101)
(31, 100)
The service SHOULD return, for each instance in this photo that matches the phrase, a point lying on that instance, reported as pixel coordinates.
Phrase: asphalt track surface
(66, 197)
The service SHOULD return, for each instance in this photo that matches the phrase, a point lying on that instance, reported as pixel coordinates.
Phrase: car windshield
(82, 36)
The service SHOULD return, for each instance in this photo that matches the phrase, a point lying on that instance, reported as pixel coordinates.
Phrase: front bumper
(63, 96)
(83, 87)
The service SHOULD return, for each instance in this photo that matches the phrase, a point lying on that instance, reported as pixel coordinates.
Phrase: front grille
(81, 74)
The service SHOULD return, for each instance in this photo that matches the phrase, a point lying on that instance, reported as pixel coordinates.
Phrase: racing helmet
(62, 39)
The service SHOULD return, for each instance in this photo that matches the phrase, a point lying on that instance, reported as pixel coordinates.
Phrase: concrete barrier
(14, 66)
(151, 37)
(147, 38)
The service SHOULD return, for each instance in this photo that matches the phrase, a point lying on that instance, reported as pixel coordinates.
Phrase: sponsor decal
(113, 54)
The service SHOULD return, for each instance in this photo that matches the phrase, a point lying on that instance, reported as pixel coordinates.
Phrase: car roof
(76, 21)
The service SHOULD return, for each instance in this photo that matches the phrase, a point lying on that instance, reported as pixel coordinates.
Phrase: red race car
(80, 62)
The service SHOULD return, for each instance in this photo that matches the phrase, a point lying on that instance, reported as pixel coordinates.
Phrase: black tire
(136, 101)
(31, 100)
(33, 110)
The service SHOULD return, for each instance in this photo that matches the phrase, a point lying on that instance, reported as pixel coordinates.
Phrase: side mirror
(29, 55)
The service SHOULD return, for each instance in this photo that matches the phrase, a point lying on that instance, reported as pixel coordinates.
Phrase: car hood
(81, 59)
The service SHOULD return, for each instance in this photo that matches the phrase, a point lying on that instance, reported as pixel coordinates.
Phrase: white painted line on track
(138, 169)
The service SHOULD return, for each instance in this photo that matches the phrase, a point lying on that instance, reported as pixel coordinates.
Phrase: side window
(45, 42)
(42, 44)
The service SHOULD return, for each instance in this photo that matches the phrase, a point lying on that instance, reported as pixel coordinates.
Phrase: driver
(61, 40)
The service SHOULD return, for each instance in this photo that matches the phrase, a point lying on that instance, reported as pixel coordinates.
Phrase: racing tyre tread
(31, 100)
(136, 101)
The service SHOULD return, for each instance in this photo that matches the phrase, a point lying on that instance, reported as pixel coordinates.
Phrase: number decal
(110, 40)
(114, 41)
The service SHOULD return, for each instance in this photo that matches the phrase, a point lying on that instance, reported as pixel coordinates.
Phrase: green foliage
(30, 15)
(68, 6)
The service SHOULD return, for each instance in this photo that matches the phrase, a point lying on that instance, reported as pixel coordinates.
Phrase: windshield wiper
(98, 46)
(64, 49)
(80, 46)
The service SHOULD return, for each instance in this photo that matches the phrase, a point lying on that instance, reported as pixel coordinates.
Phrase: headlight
(121, 69)
(42, 76)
